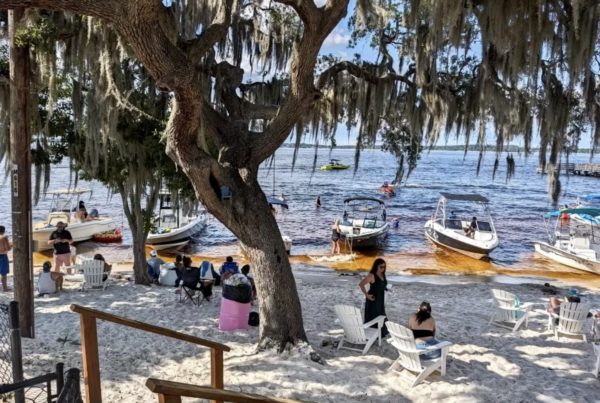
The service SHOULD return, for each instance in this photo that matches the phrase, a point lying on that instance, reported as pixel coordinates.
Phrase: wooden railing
(172, 392)
(91, 359)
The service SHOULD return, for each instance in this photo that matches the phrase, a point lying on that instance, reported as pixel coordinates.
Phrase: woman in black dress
(375, 304)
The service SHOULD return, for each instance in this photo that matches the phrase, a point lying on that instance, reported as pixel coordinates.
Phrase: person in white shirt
(49, 282)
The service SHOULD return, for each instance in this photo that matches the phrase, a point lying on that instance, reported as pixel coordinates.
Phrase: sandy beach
(486, 363)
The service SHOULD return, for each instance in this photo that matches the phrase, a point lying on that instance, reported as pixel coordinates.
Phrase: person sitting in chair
(228, 268)
(190, 277)
(472, 227)
(422, 325)
(49, 282)
(107, 267)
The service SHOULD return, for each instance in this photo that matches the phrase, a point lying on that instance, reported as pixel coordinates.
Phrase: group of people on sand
(420, 322)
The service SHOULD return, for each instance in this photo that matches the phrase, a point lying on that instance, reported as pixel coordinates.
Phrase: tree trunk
(20, 158)
(140, 266)
(249, 217)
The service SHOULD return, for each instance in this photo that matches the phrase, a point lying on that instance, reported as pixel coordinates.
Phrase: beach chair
(571, 320)
(93, 274)
(417, 369)
(355, 331)
(507, 314)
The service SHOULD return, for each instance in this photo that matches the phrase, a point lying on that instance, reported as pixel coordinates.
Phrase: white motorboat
(64, 205)
(363, 223)
(174, 228)
(572, 243)
(587, 201)
(448, 230)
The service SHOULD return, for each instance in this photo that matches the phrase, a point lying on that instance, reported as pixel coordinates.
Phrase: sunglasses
(382, 267)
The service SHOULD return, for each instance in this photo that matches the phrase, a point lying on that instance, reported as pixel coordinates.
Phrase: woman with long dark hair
(423, 326)
(375, 303)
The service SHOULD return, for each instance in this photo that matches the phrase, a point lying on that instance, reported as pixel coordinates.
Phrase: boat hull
(79, 231)
(567, 258)
(334, 167)
(457, 245)
(177, 237)
(369, 240)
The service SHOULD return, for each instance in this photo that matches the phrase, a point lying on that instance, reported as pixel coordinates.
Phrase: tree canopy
(442, 68)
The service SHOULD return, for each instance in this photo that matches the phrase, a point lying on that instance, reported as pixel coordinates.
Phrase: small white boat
(64, 205)
(572, 243)
(174, 228)
(449, 231)
(363, 223)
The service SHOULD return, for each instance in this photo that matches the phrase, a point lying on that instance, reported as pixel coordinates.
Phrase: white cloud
(337, 37)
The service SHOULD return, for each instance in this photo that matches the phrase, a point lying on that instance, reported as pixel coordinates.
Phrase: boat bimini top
(466, 197)
(594, 212)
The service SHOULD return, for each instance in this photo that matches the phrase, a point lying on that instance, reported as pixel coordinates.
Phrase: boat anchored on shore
(363, 222)
(64, 205)
(447, 230)
(571, 242)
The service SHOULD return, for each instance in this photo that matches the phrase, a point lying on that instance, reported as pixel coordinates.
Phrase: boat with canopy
(587, 201)
(452, 232)
(364, 222)
(571, 242)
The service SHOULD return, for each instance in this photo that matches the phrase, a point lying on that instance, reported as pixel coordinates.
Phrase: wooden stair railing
(91, 359)
(172, 392)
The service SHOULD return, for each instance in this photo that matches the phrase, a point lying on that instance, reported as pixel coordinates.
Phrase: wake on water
(335, 258)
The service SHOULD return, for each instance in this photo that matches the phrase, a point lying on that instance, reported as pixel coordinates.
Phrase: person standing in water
(335, 237)
(4, 264)
(318, 202)
(375, 303)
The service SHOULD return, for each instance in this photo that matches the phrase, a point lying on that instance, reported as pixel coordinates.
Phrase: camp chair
(507, 314)
(355, 331)
(409, 356)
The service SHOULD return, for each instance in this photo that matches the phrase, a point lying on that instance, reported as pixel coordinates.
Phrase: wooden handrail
(91, 357)
(172, 392)
(147, 327)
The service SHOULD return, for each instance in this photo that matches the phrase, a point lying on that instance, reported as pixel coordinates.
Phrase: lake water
(516, 207)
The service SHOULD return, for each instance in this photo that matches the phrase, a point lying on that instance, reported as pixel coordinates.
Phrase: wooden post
(20, 171)
(91, 359)
(216, 370)
(169, 399)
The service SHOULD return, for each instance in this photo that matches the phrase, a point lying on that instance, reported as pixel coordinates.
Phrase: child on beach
(73, 252)
(4, 264)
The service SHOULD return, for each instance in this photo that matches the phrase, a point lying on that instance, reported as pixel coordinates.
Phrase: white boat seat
(358, 223)
(580, 242)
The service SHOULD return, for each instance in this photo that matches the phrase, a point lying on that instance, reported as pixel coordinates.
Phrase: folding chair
(187, 293)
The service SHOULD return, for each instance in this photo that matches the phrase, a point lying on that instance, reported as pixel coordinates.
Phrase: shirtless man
(4, 265)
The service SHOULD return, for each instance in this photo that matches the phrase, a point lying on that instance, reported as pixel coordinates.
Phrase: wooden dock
(579, 169)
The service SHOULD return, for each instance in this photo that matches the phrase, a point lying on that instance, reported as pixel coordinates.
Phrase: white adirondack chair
(403, 340)
(571, 320)
(355, 331)
(507, 315)
(93, 274)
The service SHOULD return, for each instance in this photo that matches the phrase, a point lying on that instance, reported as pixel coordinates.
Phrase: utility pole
(20, 160)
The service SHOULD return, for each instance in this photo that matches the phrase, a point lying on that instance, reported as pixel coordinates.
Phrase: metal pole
(15, 348)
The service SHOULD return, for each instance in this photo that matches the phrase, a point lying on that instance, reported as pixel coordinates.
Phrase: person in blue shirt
(452, 216)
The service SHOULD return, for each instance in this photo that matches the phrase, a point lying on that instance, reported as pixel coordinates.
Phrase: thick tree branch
(254, 111)
(213, 34)
(306, 9)
(359, 72)
(108, 10)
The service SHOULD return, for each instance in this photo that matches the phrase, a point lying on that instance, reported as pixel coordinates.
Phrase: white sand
(486, 364)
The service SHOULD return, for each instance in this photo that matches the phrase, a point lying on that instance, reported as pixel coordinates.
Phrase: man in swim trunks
(4, 265)
(60, 239)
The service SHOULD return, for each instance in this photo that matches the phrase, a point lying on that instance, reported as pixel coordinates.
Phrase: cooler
(234, 315)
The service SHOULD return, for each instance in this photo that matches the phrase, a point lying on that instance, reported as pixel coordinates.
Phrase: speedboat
(570, 242)
(363, 223)
(449, 231)
(63, 206)
(587, 201)
(334, 165)
(172, 227)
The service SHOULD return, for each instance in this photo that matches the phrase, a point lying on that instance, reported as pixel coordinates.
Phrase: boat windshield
(484, 226)
(453, 224)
